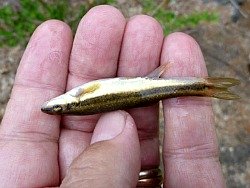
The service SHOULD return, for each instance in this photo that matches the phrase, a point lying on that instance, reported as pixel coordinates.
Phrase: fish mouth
(50, 111)
(47, 109)
(55, 109)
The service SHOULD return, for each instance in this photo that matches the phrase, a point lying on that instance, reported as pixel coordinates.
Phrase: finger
(190, 146)
(94, 56)
(140, 55)
(113, 158)
(28, 137)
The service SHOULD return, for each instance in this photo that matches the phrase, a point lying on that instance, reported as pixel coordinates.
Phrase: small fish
(123, 93)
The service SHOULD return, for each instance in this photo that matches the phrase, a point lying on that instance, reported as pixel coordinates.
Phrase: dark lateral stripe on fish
(127, 100)
(123, 93)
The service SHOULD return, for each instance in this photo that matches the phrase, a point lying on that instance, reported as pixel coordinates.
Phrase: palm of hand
(37, 149)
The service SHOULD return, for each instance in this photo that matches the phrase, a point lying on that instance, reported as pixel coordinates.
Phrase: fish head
(59, 105)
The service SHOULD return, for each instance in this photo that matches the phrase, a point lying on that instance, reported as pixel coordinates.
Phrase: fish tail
(218, 88)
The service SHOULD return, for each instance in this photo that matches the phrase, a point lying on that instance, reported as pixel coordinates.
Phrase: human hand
(39, 150)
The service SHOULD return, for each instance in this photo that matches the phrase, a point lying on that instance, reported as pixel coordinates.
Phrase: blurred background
(221, 27)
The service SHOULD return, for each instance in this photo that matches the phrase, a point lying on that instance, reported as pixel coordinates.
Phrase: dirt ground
(226, 47)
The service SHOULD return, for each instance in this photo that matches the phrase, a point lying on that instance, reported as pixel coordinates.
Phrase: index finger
(28, 137)
(190, 145)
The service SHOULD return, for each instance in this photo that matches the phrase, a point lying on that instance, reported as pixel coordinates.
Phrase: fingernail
(109, 126)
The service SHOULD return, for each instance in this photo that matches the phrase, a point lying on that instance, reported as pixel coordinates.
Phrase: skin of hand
(39, 150)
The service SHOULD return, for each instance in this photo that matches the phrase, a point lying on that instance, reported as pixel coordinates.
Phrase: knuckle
(206, 150)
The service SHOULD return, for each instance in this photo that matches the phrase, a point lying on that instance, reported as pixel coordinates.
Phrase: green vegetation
(19, 21)
(171, 21)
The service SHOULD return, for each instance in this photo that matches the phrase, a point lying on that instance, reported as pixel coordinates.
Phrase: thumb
(112, 159)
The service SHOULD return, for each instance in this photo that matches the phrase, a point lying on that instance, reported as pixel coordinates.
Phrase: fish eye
(75, 103)
(57, 108)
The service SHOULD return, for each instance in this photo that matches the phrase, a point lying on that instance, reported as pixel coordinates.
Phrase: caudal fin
(218, 88)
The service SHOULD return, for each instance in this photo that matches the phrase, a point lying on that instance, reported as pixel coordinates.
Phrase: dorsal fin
(158, 71)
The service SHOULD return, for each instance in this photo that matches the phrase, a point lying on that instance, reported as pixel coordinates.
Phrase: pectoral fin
(93, 87)
(158, 71)
(79, 91)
